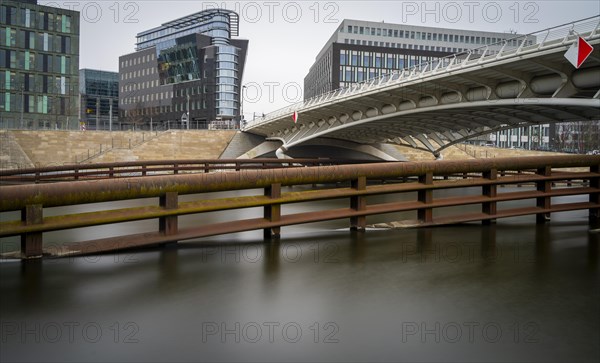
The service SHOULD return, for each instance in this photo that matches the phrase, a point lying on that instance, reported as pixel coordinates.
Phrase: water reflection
(367, 286)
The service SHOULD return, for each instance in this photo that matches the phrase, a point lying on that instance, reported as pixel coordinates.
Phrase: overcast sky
(285, 36)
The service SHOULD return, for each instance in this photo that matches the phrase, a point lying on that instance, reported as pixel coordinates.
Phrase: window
(343, 58)
(350, 29)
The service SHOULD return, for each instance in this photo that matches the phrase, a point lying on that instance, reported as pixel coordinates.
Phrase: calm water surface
(509, 292)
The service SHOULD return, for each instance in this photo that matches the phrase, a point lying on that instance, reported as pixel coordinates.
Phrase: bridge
(435, 105)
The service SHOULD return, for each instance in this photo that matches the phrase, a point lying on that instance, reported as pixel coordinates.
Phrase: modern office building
(39, 66)
(575, 137)
(99, 99)
(186, 73)
(361, 50)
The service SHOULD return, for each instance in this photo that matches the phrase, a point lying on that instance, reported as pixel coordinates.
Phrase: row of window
(32, 61)
(143, 59)
(409, 34)
(176, 107)
(138, 73)
(380, 60)
(359, 74)
(419, 47)
(42, 104)
(38, 83)
(25, 39)
(30, 18)
(168, 95)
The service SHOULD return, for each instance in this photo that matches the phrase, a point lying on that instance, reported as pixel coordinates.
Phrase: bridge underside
(446, 125)
(327, 147)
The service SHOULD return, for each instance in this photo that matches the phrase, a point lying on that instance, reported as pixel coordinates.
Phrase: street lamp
(188, 111)
(22, 105)
(242, 119)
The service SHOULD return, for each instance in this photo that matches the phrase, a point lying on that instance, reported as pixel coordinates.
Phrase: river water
(511, 292)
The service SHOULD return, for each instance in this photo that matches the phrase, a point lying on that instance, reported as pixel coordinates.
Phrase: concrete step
(12, 155)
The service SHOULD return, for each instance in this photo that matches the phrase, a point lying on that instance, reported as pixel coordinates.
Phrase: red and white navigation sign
(578, 52)
(295, 116)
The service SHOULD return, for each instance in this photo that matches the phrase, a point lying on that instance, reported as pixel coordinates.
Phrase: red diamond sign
(578, 52)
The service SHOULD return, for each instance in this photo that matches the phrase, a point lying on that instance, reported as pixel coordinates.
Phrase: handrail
(69, 193)
(588, 25)
(145, 168)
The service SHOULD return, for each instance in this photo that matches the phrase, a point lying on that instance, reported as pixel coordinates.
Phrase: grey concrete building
(361, 50)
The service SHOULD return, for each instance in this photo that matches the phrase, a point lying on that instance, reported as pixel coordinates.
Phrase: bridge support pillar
(490, 191)
(425, 215)
(168, 225)
(273, 212)
(595, 198)
(358, 203)
(544, 202)
(31, 243)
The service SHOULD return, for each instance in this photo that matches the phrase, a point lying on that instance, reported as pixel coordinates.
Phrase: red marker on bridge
(579, 52)
(295, 116)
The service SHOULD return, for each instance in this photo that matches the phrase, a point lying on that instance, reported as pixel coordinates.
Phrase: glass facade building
(186, 69)
(99, 98)
(39, 66)
(361, 50)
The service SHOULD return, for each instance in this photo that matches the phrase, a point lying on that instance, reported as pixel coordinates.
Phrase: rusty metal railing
(31, 199)
(149, 168)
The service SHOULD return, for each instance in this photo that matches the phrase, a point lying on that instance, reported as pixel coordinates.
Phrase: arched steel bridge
(435, 105)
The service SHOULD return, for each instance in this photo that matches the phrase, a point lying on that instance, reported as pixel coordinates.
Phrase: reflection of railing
(551, 37)
(345, 181)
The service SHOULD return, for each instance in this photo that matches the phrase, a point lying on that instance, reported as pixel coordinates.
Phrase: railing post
(358, 203)
(143, 170)
(595, 197)
(426, 197)
(31, 243)
(168, 225)
(545, 187)
(272, 212)
(490, 191)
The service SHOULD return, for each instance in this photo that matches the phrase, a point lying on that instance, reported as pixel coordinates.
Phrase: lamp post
(22, 106)
(242, 120)
(188, 111)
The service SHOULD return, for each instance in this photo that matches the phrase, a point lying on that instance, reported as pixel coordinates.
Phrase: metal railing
(346, 181)
(514, 47)
(152, 168)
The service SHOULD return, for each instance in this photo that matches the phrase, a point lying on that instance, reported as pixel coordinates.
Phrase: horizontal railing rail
(336, 182)
(148, 168)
